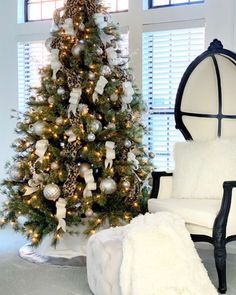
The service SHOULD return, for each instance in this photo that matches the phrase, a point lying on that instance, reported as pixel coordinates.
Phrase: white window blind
(31, 57)
(166, 55)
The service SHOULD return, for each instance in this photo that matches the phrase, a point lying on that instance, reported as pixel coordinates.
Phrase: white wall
(219, 18)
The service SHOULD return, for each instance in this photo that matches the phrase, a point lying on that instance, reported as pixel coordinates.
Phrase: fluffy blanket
(159, 258)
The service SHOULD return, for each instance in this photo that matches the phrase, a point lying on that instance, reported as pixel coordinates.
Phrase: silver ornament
(39, 128)
(108, 186)
(52, 192)
(152, 155)
(59, 121)
(127, 143)
(95, 126)
(89, 213)
(48, 43)
(99, 51)
(91, 76)
(55, 166)
(114, 97)
(76, 49)
(106, 70)
(125, 184)
(84, 167)
(91, 137)
(51, 100)
(16, 173)
(61, 91)
(54, 28)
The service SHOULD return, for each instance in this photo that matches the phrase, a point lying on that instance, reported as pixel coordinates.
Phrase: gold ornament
(108, 186)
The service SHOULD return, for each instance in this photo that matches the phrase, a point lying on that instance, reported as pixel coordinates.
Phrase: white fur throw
(159, 258)
(202, 167)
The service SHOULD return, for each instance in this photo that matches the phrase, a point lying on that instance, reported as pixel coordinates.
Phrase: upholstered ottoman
(104, 258)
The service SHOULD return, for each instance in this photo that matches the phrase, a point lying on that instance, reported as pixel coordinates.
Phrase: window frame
(152, 6)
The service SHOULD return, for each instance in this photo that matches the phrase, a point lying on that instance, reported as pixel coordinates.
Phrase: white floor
(18, 277)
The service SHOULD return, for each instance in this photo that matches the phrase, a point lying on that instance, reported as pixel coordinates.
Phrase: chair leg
(220, 261)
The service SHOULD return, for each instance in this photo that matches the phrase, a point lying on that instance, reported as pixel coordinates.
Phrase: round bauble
(95, 126)
(106, 70)
(91, 137)
(52, 192)
(152, 155)
(108, 186)
(99, 51)
(55, 166)
(127, 143)
(89, 213)
(51, 100)
(61, 91)
(76, 49)
(59, 121)
(111, 126)
(91, 76)
(39, 127)
(114, 97)
(84, 167)
(16, 173)
(125, 184)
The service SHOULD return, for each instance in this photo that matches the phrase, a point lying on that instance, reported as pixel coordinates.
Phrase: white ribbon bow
(100, 20)
(61, 214)
(41, 148)
(69, 27)
(90, 184)
(110, 154)
(105, 38)
(112, 56)
(34, 184)
(55, 62)
(128, 94)
(102, 82)
(132, 159)
(72, 136)
(75, 97)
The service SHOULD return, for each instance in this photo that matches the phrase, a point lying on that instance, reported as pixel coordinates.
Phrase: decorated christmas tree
(79, 154)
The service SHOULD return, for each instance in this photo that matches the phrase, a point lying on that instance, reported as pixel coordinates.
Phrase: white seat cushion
(196, 213)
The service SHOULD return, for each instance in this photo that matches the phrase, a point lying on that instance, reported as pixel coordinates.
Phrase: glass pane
(34, 1)
(160, 2)
(178, 1)
(34, 11)
(111, 4)
(59, 4)
(123, 4)
(48, 9)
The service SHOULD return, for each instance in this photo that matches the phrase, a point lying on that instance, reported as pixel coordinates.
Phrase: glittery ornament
(76, 49)
(51, 100)
(39, 128)
(108, 186)
(16, 173)
(89, 213)
(114, 97)
(59, 121)
(83, 168)
(95, 126)
(52, 192)
(91, 76)
(125, 184)
(91, 137)
(61, 91)
(55, 166)
(152, 155)
(99, 51)
(106, 70)
(127, 143)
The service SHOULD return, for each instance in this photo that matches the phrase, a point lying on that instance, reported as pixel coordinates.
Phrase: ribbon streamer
(75, 97)
(34, 184)
(128, 95)
(102, 82)
(105, 38)
(100, 20)
(41, 148)
(110, 154)
(90, 184)
(72, 136)
(55, 62)
(61, 214)
(69, 27)
(132, 159)
(112, 56)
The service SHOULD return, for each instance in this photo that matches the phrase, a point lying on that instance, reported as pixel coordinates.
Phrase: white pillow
(202, 167)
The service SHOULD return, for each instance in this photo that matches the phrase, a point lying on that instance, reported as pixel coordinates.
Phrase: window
(116, 5)
(162, 3)
(31, 56)
(41, 9)
(166, 54)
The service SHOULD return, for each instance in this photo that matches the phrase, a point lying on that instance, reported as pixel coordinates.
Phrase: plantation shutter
(166, 55)
(31, 56)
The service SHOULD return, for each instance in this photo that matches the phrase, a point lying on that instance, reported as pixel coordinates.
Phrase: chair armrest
(156, 176)
(219, 228)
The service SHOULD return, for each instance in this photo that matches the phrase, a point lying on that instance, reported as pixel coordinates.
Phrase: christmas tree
(79, 154)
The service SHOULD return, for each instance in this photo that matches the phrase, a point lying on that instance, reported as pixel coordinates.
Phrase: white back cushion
(202, 167)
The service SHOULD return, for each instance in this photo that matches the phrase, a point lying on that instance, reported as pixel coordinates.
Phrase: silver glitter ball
(91, 76)
(52, 192)
(89, 213)
(91, 137)
(106, 70)
(39, 128)
(127, 143)
(59, 121)
(51, 100)
(76, 49)
(108, 186)
(95, 126)
(16, 173)
(84, 167)
(125, 184)
(55, 166)
(61, 91)
(152, 155)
